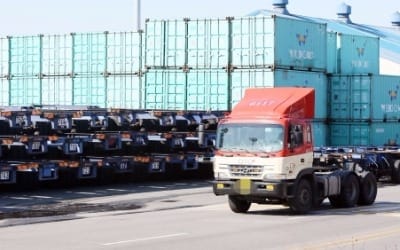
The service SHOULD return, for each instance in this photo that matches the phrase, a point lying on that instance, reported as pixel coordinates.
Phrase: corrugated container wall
(4, 91)
(4, 57)
(344, 134)
(89, 53)
(124, 91)
(74, 69)
(57, 55)
(57, 91)
(124, 53)
(245, 78)
(25, 56)
(193, 90)
(364, 97)
(208, 43)
(358, 54)
(365, 134)
(320, 133)
(89, 90)
(25, 91)
(278, 42)
(332, 53)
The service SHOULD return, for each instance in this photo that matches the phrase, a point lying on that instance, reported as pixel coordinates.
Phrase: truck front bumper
(279, 190)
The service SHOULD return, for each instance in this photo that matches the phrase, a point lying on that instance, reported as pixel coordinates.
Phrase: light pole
(138, 14)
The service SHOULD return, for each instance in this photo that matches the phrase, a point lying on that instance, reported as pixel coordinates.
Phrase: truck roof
(278, 102)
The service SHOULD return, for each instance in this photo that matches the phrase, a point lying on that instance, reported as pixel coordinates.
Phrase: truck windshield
(250, 137)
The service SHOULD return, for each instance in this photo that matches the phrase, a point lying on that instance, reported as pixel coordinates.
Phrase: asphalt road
(186, 215)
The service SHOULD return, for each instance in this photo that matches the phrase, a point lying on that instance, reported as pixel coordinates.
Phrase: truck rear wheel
(368, 190)
(349, 194)
(238, 205)
(396, 172)
(302, 201)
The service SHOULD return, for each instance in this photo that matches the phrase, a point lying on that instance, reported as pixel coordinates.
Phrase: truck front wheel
(238, 205)
(302, 201)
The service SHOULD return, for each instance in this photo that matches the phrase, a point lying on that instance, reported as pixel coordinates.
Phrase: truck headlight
(221, 176)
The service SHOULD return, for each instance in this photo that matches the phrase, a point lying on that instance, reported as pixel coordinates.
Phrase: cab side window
(296, 135)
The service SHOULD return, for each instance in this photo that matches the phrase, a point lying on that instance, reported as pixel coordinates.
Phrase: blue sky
(30, 17)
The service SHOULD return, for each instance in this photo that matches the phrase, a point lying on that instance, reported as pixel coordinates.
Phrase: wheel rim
(305, 197)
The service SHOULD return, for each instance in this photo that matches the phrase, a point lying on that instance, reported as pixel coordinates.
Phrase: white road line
(145, 239)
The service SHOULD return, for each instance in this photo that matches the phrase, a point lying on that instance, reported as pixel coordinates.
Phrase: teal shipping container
(364, 97)
(4, 91)
(115, 91)
(25, 56)
(124, 52)
(154, 44)
(124, 91)
(332, 60)
(175, 43)
(25, 91)
(207, 90)
(364, 134)
(278, 42)
(193, 90)
(165, 44)
(89, 53)
(90, 90)
(320, 133)
(350, 97)
(56, 55)
(357, 54)
(385, 98)
(180, 44)
(355, 134)
(4, 57)
(208, 43)
(245, 78)
(57, 91)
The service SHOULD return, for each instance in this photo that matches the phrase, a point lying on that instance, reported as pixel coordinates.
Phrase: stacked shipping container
(77, 69)
(205, 64)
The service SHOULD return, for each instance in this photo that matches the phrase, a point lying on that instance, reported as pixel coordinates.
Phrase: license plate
(5, 175)
(36, 147)
(123, 165)
(73, 147)
(244, 186)
(220, 185)
(86, 170)
(155, 166)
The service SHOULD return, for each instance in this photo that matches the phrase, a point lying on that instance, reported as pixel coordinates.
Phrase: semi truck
(264, 154)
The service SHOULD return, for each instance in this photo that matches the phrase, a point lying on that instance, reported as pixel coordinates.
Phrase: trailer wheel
(302, 201)
(238, 205)
(349, 194)
(396, 172)
(368, 190)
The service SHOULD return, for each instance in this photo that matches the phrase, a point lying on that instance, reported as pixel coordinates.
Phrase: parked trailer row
(72, 145)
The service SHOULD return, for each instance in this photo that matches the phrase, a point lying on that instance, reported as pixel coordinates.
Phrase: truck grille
(245, 171)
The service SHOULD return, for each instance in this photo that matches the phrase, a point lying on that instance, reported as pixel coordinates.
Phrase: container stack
(184, 64)
(100, 69)
(363, 105)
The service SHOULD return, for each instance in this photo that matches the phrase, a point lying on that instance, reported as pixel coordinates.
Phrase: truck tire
(302, 201)
(396, 172)
(368, 190)
(349, 194)
(238, 205)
